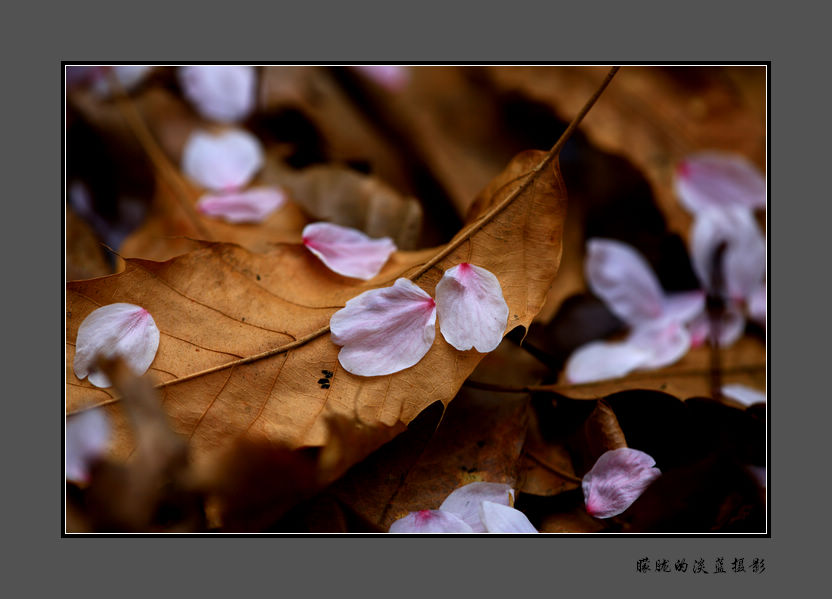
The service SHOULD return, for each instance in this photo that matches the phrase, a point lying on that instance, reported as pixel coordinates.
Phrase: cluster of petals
(124, 330)
(392, 77)
(473, 508)
(386, 330)
(616, 480)
(87, 435)
(658, 335)
(221, 93)
(225, 163)
(347, 251)
(722, 191)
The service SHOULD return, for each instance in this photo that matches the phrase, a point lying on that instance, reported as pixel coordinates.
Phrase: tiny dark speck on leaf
(325, 386)
(323, 381)
(258, 277)
(480, 443)
(244, 319)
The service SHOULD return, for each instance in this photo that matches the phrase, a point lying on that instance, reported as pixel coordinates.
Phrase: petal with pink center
(223, 93)
(429, 521)
(601, 360)
(471, 308)
(745, 395)
(390, 76)
(223, 161)
(616, 480)
(123, 330)
(719, 180)
(499, 518)
(664, 341)
(249, 206)
(347, 251)
(731, 327)
(385, 330)
(465, 501)
(87, 435)
(621, 277)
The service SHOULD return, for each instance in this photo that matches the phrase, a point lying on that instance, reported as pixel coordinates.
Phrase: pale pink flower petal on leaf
(600, 360)
(347, 251)
(745, 395)
(719, 180)
(249, 206)
(223, 93)
(664, 342)
(465, 501)
(385, 330)
(472, 310)
(623, 279)
(224, 161)
(731, 327)
(616, 481)
(123, 330)
(683, 306)
(87, 435)
(429, 521)
(499, 518)
(392, 77)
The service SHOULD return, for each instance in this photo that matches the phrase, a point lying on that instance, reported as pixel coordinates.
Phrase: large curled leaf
(222, 303)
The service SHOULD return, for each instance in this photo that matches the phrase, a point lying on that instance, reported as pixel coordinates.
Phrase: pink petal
(224, 161)
(115, 330)
(250, 206)
(392, 77)
(683, 306)
(663, 342)
(744, 260)
(745, 395)
(501, 518)
(623, 279)
(384, 330)
(719, 180)
(601, 360)
(87, 434)
(731, 327)
(472, 311)
(757, 305)
(616, 481)
(465, 501)
(347, 251)
(429, 521)
(224, 93)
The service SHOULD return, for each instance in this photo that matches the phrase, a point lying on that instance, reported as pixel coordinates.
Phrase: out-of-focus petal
(616, 481)
(390, 76)
(224, 93)
(745, 395)
(465, 501)
(731, 327)
(384, 330)
(501, 518)
(756, 305)
(224, 161)
(664, 341)
(623, 279)
(87, 434)
(347, 251)
(429, 521)
(683, 306)
(249, 206)
(744, 260)
(128, 75)
(719, 180)
(123, 330)
(472, 310)
(601, 360)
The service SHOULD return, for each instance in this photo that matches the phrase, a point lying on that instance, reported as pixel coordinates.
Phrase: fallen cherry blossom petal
(683, 306)
(87, 435)
(223, 161)
(465, 501)
(756, 305)
(719, 180)
(600, 360)
(120, 329)
(429, 521)
(471, 308)
(623, 279)
(616, 481)
(745, 395)
(390, 76)
(663, 342)
(224, 93)
(499, 518)
(347, 251)
(385, 330)
(731, 327)
(249, 206)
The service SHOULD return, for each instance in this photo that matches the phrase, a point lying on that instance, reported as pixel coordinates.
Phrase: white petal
(384, 330)
(249, 206)
(601, 360)
(119, 329)
(429, 521)
(347, 251)
(390, 76)
(664, 342)
(731, 327)
(502, 518)
(719, 180)
(465, 501)
(756, 305)
(745, 395)
(87, 434)
(472, 310)
(621, 277)
(616, 481)
(224, 161)
(224, 93)
(684, 306)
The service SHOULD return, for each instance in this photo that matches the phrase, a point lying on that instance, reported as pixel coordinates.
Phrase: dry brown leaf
(84, 253)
